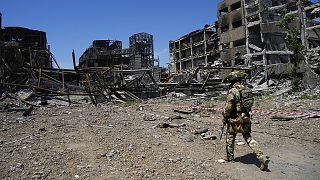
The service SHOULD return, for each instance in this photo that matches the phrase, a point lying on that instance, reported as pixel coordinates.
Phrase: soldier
(236, 116)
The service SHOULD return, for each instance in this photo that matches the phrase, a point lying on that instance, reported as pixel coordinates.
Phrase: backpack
(246, 98)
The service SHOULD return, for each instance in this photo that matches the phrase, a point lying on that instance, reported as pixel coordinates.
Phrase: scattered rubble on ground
(149, 139)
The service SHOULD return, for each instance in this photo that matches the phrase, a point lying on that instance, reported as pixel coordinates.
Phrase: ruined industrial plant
(119, 114)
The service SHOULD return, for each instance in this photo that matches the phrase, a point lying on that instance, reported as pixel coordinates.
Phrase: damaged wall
(22, 47)
(141, 51)
(198, 48)
(107, 53)
(104, 53)
(261, 41)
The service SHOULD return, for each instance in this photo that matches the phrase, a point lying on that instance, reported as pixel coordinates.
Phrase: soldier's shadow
(248, 159)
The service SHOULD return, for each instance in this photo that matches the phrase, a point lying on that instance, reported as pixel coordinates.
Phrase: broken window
(186, 53)
(238, 60)
(236, 6)
(171, 46)
(197, 38)
(249, 1)
(183, 66)
(253, 18)
(224, 28)
(276, 59)
(223, 11)
(185, 43)
(238, 43)
(254, 10)
(177, 56)
(177, 45)
(237, 24)
(275, 41)
(278, 2)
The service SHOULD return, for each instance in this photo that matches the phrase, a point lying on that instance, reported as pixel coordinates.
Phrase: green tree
(294, 44)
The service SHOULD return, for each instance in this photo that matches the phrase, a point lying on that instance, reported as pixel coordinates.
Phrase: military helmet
(235, 76)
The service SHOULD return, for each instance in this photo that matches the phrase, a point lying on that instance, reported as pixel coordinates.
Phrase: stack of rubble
(314, 60)
(311, 77)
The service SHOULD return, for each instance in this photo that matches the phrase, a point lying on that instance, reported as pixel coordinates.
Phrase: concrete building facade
(250, 35)
(141, 51)
(197, 48)
(107, 53)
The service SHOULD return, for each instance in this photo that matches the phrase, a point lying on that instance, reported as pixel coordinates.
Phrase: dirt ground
(115, 141)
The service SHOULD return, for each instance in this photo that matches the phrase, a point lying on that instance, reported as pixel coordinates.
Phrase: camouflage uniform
(238, 121)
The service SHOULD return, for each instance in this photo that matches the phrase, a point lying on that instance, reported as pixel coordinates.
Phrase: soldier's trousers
(250, 141)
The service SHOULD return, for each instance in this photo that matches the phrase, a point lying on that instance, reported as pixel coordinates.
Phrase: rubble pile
(313, 59)
(311, 76)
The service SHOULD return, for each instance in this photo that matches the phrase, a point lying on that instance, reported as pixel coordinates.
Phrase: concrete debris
(28, 111)
(177, 95)
(171, 125)
(183, 111)
(186, 138)
(18, 167)
(209, 137)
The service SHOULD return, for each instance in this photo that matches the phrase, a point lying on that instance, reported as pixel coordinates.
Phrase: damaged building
(142, 51)
(104, 53)
(107, 53)
(198, 48)
(250, 34)
(22, 47)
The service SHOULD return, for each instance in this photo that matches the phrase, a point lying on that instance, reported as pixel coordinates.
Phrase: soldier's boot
(264, 163)
(229, 159)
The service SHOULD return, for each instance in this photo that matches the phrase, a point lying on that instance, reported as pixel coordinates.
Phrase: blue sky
(74, 24)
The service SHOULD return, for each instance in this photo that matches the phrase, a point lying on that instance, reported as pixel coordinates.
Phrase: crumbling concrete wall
(141, 51)
(104, 53)
(198, 48)
(311, 78)
(249, 28)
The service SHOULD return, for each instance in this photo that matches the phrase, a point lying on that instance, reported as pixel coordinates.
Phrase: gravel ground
(114, 141)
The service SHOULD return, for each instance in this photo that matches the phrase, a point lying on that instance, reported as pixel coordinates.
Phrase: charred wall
(142, 51)
(104, 53)
(249, 30)
(24, 47)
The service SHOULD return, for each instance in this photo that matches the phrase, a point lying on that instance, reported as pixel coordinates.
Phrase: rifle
(221, 131)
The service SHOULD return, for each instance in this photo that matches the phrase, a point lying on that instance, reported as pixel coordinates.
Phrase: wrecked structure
(142, 51)
(103, 72)
(107, 53)
(249, 37)
(250, 34)
(198, 48)
(22, 48)
(24, 45)
(104, 53)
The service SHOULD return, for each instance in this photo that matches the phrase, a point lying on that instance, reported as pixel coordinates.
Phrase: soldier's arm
(230, 105)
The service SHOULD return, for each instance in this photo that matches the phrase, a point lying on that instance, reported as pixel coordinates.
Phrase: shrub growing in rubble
(294, 44)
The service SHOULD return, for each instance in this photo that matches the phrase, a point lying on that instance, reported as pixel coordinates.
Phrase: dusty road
(125, 142)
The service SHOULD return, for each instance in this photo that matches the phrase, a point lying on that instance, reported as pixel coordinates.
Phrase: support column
(192, 59)
(205, 47)
(247, 31)
(180, 56)
(302, 27)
